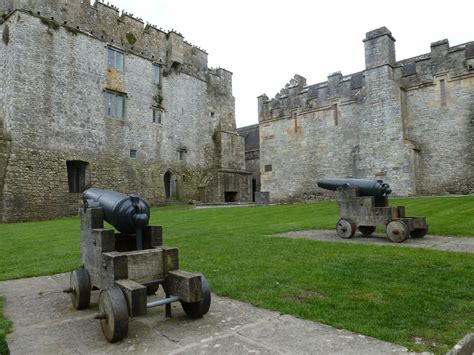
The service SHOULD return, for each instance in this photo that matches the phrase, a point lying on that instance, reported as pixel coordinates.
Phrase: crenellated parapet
(443, 60)
(297, 96)
(422, 70)
(119, 29)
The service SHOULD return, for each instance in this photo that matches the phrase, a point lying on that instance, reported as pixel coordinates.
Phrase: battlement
(120, 28)
(412, 72)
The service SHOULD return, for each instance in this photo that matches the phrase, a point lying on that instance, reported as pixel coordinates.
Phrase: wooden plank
(135, 294)
(114, 267)
(185, 285)
(104, 240)
(91, 218)
(144, 265)
(153, 236)
(170, 259)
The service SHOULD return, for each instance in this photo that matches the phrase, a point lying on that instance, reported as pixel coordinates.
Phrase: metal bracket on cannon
(127, 267)
(363, 205)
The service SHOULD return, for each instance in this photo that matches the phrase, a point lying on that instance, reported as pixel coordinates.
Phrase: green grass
(402, 295)
(4, 328)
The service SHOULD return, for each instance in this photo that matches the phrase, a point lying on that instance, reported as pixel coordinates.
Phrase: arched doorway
(170, 185)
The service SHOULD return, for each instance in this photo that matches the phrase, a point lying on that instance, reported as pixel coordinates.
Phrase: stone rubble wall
(54, 80)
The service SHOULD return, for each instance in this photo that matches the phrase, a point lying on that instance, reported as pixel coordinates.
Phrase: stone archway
(170, 185)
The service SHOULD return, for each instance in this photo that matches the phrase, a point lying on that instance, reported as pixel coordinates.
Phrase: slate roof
(252, 137)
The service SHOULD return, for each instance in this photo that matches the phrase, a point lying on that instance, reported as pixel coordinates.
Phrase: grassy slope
(393, 294)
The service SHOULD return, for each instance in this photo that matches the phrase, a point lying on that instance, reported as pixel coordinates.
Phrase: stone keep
(409, 122)
(62, 95)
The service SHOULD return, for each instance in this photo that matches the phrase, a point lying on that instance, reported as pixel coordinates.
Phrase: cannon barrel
(365, 187)
(128, 214)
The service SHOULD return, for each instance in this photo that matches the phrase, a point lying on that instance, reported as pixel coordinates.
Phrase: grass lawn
(4, 327)
(422, 299)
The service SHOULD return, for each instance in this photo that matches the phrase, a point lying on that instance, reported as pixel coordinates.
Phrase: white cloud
(265, 42)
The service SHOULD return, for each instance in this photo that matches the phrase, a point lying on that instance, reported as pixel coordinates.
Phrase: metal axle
(162, 302)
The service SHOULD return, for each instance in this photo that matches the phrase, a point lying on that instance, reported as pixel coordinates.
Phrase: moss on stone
(50, 23)
(131, 38)
(72, 30)
(6, 35)
(158, 100)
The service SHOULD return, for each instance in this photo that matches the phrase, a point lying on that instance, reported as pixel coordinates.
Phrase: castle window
(294, 117)
(114, 59)
(77, 175)
(182, 154)
(268, 168)
(156, 74)
(335, 114)
(442, 89)
(157, 116)
(115, 104)
(212, 114)
(133, 153)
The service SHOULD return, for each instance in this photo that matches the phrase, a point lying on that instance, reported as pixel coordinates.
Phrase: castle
(90, 96)
(408, 122)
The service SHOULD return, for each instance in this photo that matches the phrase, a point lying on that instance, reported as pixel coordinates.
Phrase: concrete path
(44, 322)
(453, 244)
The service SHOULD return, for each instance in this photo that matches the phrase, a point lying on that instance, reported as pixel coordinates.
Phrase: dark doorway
(170, 185)
(254, 189)
(230, 196)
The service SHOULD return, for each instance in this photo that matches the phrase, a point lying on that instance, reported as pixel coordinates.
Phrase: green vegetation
(72, 30)
(4, 328)
(131, 38)
(422, 299)
(53, 24)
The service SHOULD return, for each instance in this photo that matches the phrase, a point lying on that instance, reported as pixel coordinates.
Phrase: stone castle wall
(53, 109)
(409, 123)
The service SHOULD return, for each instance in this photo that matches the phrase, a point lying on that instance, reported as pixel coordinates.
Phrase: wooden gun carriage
(126, 267)
(363, 205)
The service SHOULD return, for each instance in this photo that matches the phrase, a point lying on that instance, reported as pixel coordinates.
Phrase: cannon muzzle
(128, 214)
(365, 187)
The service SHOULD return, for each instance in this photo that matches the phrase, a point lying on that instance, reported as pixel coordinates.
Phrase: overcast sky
(265, 42)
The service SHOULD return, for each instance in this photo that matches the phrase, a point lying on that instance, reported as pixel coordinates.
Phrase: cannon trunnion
(130, 265)
(363, 205)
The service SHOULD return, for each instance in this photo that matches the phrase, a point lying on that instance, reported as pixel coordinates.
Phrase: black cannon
(128, 214)
(130, 265)
(365, 187)
(363, 205)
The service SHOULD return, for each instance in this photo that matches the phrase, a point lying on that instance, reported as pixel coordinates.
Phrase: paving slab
(435, 242)
(44, 322)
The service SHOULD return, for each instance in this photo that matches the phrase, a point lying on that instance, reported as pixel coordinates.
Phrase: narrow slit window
(442, 91)
(182, 155)
(335, 114)
(157, 116)
(156, 74)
